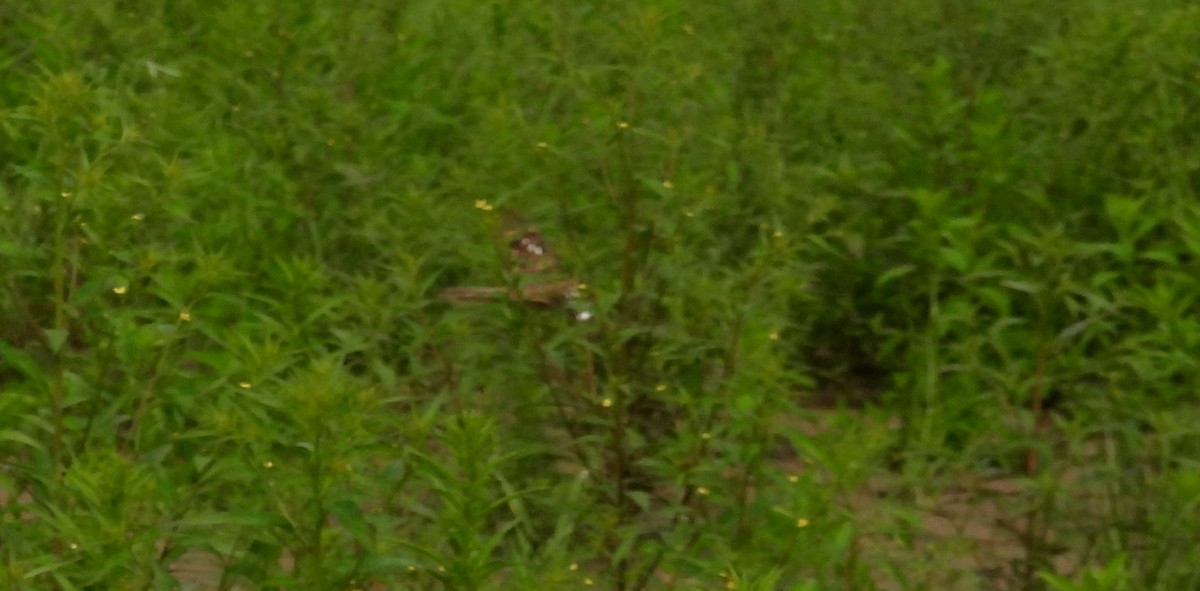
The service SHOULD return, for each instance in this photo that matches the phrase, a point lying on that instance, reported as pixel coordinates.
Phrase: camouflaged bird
(535, 265)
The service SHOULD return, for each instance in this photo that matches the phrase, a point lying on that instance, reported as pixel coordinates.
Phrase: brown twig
(544, 294)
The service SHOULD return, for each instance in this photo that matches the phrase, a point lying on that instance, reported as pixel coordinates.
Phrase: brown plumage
(530, 257)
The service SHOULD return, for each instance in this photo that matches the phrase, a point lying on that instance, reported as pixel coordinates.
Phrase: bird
(531, 260)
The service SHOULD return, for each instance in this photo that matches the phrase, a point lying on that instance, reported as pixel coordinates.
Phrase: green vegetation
(883, 295)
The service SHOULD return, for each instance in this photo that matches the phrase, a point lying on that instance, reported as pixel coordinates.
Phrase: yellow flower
(185, 316)
(802, 522)
(120, 290)
(483, 205)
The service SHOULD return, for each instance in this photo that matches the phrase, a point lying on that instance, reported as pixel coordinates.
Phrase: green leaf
(955, 259)
(41, 570)
(261, 519)
(351, 518)
(893, 274)
(22, 362)
(1022, 286)
(19, 437)
(378, 565)
(56, 337)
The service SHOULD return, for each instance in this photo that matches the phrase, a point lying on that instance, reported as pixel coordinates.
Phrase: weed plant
(866, 295)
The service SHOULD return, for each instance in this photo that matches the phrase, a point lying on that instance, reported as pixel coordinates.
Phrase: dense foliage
(873, 295)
